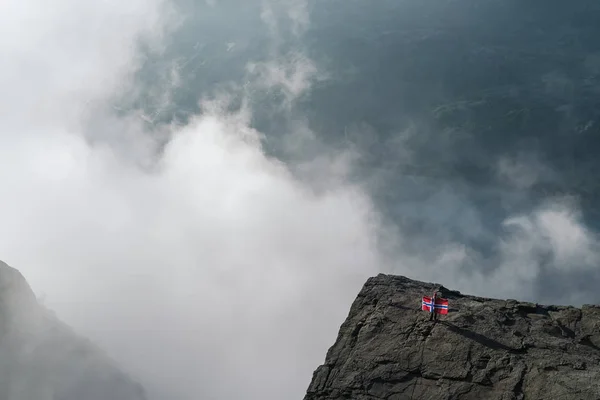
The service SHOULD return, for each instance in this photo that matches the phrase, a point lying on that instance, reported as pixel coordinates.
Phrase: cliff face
(483, 349)
(42, 359)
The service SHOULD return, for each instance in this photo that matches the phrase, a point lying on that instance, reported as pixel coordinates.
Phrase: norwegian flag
(441, 305)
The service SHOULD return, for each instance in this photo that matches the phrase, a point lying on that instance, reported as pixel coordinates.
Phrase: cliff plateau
(483, 349)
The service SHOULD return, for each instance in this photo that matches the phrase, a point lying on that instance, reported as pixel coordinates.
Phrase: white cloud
(523, 170)
(221, 247)
(291, 72)
(293, 75)
(558, 229)
(542, 246)
(211, 263)
(551, 239)
(293, 13)
(52, 70)
(209, 269)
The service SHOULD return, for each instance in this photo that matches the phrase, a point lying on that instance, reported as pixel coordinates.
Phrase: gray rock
(43, 359)
(483, 349)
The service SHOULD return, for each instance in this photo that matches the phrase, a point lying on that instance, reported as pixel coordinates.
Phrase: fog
(207, 264)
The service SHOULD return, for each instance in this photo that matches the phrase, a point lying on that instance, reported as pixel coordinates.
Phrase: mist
(166, 193)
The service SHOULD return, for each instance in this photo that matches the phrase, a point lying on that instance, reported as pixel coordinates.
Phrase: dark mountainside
(42, 359)
(484, 349)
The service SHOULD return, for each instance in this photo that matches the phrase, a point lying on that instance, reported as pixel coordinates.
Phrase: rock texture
(42, 359)
(483, 349)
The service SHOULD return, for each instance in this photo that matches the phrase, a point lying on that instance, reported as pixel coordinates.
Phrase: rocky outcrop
(483, 349)
(42, 359)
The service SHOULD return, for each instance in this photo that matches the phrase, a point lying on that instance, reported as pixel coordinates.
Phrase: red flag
(441, 305)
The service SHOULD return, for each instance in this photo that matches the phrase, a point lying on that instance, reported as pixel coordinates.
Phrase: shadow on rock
(481, 339)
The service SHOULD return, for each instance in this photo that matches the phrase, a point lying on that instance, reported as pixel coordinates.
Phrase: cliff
(43, 359)
(483, 349)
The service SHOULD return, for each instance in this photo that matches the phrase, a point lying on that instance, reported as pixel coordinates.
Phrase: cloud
(292, 12)
(289, 70)
(201, 264)
(523, 171)
(293, 74)
(542, 255)
(205, 266)
(86, 57)
(220, 258)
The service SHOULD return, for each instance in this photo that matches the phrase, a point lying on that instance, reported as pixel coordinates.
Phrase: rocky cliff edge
(483, 349)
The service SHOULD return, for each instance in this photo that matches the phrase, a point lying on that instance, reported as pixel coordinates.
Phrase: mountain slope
(42, 359)
(484, 349)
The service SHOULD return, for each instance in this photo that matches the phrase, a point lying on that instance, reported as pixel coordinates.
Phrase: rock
(43, 359)
(483, 349)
